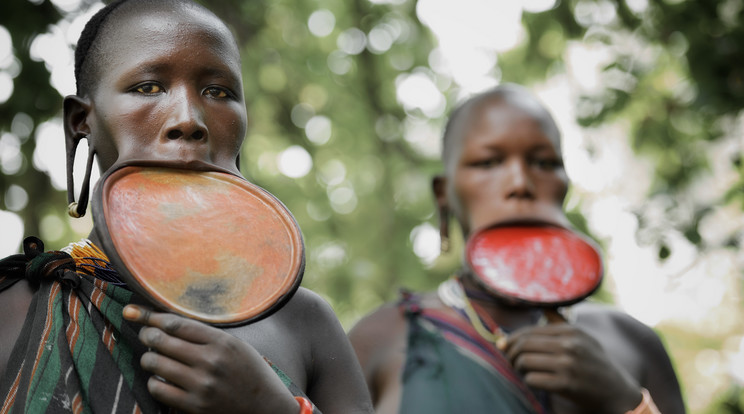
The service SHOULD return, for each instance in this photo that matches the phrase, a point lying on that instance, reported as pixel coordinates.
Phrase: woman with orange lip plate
(161, 81)
(502, 162)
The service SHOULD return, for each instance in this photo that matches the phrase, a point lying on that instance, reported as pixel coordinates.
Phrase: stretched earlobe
(77, 209)
(444, 241)
(76, 128)
(438, 187)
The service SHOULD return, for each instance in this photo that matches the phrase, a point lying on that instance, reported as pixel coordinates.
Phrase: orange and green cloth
(75, 352)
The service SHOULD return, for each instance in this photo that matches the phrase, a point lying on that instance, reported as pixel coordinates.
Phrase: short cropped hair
(509, 93)
(85, 67)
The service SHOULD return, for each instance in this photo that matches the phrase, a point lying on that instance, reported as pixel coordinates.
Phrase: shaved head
(512, 95)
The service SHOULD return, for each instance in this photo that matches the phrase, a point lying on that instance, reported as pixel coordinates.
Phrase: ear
(75, 124)
(75, 117)
(439, 188)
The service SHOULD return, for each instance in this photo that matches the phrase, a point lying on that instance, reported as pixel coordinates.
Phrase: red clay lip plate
(534, 264)
(205, 244)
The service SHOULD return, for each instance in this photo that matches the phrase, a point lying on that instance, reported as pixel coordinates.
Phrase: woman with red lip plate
(161, 80)
(502, 162)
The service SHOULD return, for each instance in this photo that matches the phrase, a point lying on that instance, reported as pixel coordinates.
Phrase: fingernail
(131, 312)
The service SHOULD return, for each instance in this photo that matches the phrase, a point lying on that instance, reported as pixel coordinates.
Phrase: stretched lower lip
(194, 165)
(546, 216)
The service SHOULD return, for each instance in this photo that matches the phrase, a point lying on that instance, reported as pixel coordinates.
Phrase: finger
(170, 370)
(550, 330)
(171, 395)
(170, 346)
(536, 343)
(174, 325)
(535, 362)
(547, 381)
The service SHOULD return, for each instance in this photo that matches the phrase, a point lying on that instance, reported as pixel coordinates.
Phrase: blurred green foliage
(676, 79)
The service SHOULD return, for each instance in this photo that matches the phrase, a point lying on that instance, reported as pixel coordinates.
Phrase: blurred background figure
(467, 348)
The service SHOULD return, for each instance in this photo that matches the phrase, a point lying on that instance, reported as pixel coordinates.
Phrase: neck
(507, 316)
(93, 237)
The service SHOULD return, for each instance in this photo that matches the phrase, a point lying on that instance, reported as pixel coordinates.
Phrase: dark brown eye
(149, 89)
(486, 163)
(215, 92)
(547, 163)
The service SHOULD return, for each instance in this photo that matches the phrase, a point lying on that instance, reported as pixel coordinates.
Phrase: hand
(561, 358)
(203, 369)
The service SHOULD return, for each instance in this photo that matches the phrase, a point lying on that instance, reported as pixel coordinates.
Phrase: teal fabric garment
(448, 371)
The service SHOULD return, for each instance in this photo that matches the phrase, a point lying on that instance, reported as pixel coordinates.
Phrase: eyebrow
(208, 72)
(532, 148)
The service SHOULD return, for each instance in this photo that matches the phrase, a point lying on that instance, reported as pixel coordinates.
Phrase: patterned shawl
(450, 368)
(75, 352)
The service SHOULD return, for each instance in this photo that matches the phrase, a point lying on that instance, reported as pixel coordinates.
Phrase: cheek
(465, 189)
(557, 187)
(470, 189)
(131, 121)
(229, 128)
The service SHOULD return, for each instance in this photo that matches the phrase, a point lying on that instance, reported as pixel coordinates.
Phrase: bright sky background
(691, 289)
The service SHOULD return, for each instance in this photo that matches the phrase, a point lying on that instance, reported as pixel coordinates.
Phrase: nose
(186, 118)
(519, 183)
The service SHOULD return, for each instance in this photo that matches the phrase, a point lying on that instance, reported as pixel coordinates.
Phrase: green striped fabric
(76, 354)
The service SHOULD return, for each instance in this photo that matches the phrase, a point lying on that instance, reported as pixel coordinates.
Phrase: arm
(379, 340)
(659, 377)
(336, 383)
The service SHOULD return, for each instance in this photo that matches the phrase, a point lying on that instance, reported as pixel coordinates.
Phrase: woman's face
(170, 88)
(504, 168)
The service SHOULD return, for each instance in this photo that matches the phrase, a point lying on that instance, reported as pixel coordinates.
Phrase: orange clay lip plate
(204, 244)
(534, 264)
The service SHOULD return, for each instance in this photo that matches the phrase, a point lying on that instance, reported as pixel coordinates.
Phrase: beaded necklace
(453, 294)
(91, 260)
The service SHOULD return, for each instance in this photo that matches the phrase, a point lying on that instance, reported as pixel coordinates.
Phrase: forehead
(144, 33)
(498, 116)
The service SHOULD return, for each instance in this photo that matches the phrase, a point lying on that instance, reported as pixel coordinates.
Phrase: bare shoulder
(307, 305)
(386, 324)
(378, 328)
(292, 335)
(381, 335)
(309, 321)
(311, 316)
(602, 319)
